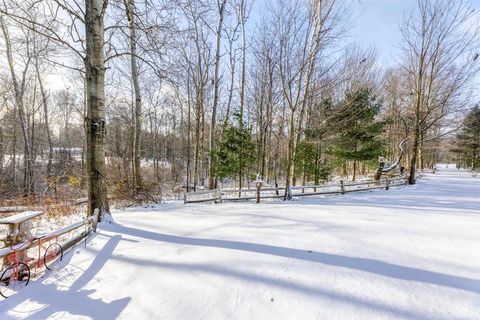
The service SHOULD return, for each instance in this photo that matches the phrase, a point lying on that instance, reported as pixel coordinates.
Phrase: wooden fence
(220, 195)
(82, 229)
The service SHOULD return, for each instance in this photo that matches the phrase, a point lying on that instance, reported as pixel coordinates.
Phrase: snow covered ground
(407, 253)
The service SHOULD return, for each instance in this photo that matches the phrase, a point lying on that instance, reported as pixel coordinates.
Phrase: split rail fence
(66, 237)
(221, 195)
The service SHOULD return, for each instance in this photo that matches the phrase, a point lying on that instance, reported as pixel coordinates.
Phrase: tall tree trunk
(45, 118)
(232, 61)
(18, 89)
(189, 135)
(291, 154)
(14, 149)
(421, 155)
(474, 160)
(137, 170)
(211, 173)
(199, 83)
(355, 162)
(242, 85)
(202, 146)
(244, 49)
(95, 120)
(197, 143)
(354, 170)
(267, 126)
(417, 132)
(413, 160)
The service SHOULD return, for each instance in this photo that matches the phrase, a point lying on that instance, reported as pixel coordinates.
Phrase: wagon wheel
(52, 255)
(14, 278)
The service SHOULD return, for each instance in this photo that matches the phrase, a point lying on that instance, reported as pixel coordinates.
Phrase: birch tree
(95, 118)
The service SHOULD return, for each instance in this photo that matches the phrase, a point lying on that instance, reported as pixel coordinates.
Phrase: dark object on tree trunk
(95, 105)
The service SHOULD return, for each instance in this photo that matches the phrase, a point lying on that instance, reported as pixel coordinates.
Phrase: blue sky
(375, 23)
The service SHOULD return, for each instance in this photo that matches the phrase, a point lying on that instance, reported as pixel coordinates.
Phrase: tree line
(150, 97)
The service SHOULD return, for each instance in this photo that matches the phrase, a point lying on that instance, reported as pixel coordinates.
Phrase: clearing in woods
(408, 253)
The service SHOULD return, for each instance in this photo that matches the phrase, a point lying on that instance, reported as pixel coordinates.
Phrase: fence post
(259, 185)
(387, 184)
(342, 186)
(220, 195)
(184, 198)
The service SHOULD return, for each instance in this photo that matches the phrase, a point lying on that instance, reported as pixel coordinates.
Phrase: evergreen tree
(468, 140)
(355, 129)
(234, 152)
(305, 159)
(311, 161)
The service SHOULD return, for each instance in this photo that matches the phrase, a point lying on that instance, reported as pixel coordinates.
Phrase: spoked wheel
(52, 255)
(14, 278)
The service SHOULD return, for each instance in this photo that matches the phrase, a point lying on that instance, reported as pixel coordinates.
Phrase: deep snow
(407, 253)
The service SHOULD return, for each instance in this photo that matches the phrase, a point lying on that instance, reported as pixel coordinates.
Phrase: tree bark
(211, 173)
(291, 154)
(413, 160)
(95, 120)
(244, 50)
(137, 170)
(242, 85)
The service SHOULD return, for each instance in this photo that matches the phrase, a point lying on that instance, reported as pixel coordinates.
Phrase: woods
(145, 99)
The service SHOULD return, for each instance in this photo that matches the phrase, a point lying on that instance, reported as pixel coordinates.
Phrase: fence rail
(35, 242)
(220, 195)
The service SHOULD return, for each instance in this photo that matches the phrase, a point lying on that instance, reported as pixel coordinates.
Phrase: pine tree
(468, 140)
(311, 160)
(355, 129)
(234, 152)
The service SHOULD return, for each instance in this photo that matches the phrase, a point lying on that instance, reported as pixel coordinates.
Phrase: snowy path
(409, 253)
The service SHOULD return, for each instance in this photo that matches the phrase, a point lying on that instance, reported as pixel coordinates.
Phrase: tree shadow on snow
(362, 264)
(75, 300)
(430, 199)
(345, 299)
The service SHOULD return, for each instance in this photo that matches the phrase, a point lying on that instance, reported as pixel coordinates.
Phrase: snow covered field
(408, 253)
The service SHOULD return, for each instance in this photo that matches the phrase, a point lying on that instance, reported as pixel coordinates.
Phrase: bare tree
(131, 14)
(439, 50)
(198, 61)
(19, 84)
(243, 10)
(302, 34)
(264, 95)
(232, 36)
(221, 10)
(41, 50)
